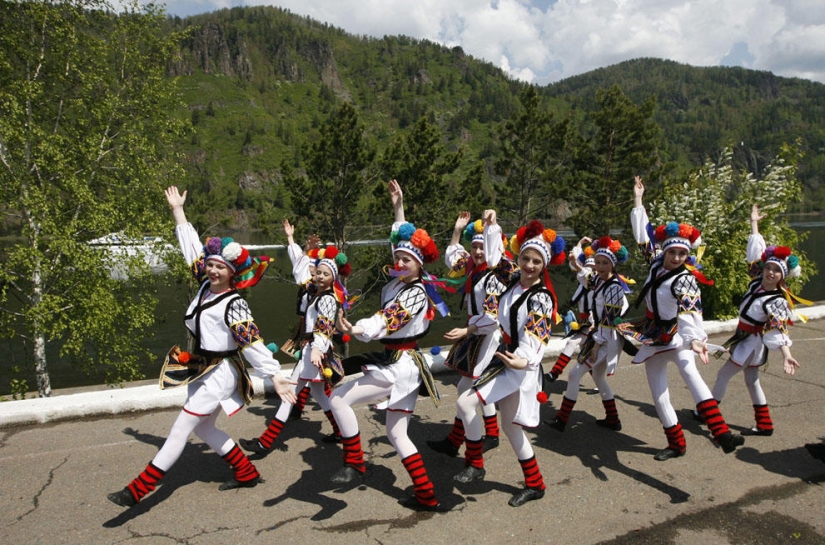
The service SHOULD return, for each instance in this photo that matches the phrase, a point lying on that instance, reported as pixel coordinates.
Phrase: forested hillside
(259, 83)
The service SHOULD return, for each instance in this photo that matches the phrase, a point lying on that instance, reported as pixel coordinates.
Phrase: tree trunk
(44, 385)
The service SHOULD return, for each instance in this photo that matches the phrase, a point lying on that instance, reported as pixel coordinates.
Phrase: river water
(273, 304)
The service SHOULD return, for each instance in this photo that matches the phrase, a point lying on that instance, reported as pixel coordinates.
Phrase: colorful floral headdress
(248, 270)
(674, 234)
(586, 257)
(611, 249)
(782, 256)
(415, 242)
(474, 232)
(336, 261)
(545, 241)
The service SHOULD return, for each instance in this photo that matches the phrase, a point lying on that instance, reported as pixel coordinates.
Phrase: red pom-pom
(782, 252)
(330, 252)
(430, 252)
(541, 397)
(243, 257)
(184, 357)
(534, 229)
(521, 234)
(345, 338)
(604, 242)
(345, 269)
(659, 233)
(695, 234)
(313, 253)
(559, 258)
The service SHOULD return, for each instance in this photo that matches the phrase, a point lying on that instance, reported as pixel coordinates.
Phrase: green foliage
(84, 106)
(338, 172)
(624, 141)
(717, 199)
(531, 161)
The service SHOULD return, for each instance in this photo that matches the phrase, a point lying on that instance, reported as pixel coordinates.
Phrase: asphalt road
(602, 486)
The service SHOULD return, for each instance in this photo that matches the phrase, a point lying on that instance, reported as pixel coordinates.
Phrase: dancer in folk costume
(577, 325)
(764, 316)
(600, 353)
(221, 329)
(672, 329)
(526, 312)
(317, 364)
(303, 271)
(408, 304)
(475, 344)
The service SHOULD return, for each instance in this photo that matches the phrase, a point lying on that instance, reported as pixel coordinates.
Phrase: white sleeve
(190, 244)
(493, 247)
(756, 247)
(639, 221)
(300, 264)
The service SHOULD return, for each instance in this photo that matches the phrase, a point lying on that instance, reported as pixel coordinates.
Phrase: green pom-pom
(226, 241)
(341, 259)
(395, 238)
(297, 354)
(793, 262)
(272, 347)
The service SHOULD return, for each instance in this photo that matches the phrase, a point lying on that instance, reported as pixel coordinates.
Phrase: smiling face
(323, 277)
(408, 264)
(219, 274)
(477, 253)
(675, 257)
(771, 276)
(603, 267)
(531, 264)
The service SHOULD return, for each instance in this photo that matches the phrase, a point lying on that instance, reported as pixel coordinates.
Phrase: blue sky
(543, 41)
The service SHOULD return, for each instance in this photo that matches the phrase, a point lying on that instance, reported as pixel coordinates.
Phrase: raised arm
(755, 218)
(638, 192)
(460, 224)
(397, 198)
(176, 202)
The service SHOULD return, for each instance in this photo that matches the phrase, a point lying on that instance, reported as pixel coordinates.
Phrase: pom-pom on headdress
(782, 256)
(248, 270)
(415, 242)
(336, 261)
(474, 232)
(333, 258)
(681, 235)
(586, 257)
(545, 241)
(611, 249)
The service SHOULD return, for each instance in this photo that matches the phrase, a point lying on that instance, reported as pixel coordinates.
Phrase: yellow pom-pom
(327, 373)
(478, 226)
(574, 326)
(514, 245)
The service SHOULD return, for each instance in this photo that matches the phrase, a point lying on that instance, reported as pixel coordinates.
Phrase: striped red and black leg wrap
(331, 418)
(145, 482)
(353, 454)
(456, 435)
(327, 389)
(245, 471)
(610, 411)
(532, 474)
(422, 486)
(560, 364)
(710, 413)
(566, 408)
(763, 417)
(491, 426)
(676, 438)
(301, 403)
(271, 433)
(474, 453)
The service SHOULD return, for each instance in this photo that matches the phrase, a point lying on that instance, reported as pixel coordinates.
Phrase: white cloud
(548, 40)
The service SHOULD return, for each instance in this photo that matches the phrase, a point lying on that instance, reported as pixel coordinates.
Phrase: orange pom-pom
(614, 246)
(184, 357)
(685, 231)
(549, 235)
(589, 252)
(420, 238)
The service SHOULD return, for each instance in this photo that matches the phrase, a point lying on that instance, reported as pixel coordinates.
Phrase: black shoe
(296, 413)
(490, 442)
(415, 505)
(331, 438)
(523, 496)
(470, 474)
(550, 377)
(254, 446)
(124, 498)
(346, 475)
(556, 424)
(444, 447)
(729, 442)
(667, 454)
(615, 426)
(758, 432)
(233, 483)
